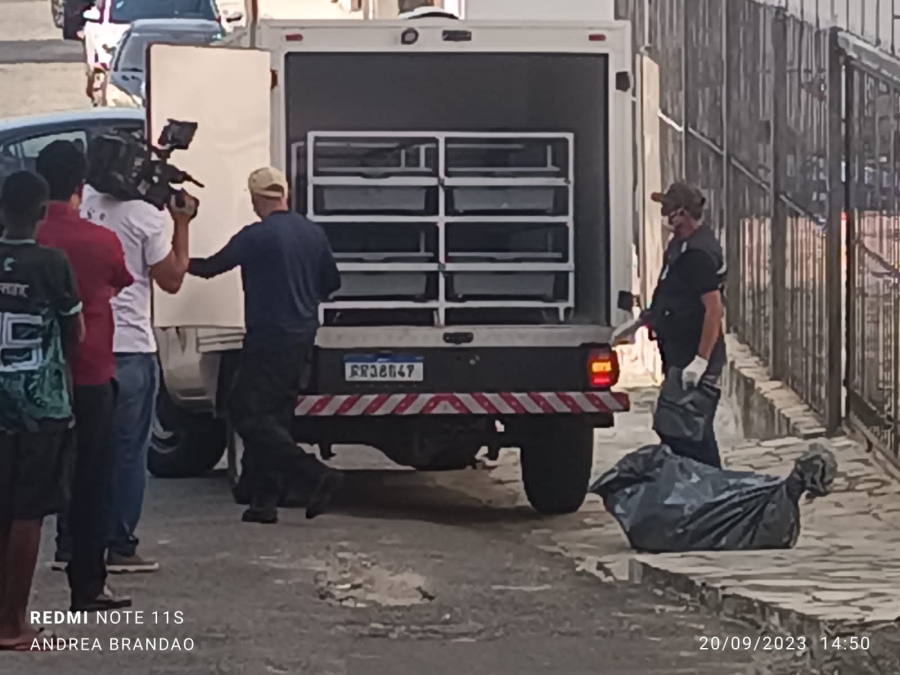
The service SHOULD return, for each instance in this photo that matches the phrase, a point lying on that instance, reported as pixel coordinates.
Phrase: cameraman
(149, 255)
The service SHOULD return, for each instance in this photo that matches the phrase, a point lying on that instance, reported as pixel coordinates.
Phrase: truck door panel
(227, 93)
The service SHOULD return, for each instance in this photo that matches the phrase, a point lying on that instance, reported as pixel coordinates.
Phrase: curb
(883, 655)
(768, 408)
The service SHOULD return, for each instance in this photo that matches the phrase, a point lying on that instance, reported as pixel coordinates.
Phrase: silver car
(124, 86)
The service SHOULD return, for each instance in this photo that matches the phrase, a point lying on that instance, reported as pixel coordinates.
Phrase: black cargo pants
(261, 408)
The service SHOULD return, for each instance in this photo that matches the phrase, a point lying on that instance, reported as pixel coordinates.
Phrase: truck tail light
(603, 368)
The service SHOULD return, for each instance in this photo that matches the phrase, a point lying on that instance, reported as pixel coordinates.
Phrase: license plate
(384, 368)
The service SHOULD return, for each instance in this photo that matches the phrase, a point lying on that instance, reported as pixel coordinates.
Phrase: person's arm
(168, 272)
(704, 280)
(229, 257)
(712, 323)
(73, 330)
(67, 304)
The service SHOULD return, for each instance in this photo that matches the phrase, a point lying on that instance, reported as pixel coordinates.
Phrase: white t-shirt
(144, 233)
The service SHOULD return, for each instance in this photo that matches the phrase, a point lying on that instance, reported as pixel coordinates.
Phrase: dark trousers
(88, 514)
(261, 407)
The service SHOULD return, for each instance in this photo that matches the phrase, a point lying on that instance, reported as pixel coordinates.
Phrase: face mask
(672, 221)
(675, 220)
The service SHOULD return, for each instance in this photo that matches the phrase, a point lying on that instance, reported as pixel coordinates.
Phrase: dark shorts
(35, 473)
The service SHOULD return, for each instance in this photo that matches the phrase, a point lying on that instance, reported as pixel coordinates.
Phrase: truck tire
(58, 11)
(556, 465)
(72, 20)
(183, 445)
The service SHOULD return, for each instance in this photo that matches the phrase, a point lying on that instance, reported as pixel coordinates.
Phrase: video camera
(126, 168)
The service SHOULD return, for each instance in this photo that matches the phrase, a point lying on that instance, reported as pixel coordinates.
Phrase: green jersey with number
(37, 294)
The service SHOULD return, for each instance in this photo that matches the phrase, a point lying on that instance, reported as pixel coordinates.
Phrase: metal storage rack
(443, 221)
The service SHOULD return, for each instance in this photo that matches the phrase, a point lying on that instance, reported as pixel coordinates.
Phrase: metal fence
(791, 126)
(745, 113)
(872, 149)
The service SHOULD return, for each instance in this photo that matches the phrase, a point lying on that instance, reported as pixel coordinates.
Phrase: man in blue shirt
(287, 269)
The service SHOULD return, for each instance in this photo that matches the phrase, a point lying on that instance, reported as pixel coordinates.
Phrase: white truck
(474, 178)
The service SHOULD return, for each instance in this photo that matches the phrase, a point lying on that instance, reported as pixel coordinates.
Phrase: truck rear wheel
(72, 20)
(183, 445)
(556, 465)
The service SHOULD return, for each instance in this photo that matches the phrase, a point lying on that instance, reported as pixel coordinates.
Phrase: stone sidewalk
(842, 578)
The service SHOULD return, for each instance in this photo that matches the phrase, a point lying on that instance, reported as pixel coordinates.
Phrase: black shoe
(105, 601)
(320, 499)
(264, 515)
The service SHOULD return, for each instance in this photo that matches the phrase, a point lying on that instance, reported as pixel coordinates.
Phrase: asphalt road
(412, 574)
(39, 72)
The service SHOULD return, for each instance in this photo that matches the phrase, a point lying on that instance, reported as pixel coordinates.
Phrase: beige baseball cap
(268, 182)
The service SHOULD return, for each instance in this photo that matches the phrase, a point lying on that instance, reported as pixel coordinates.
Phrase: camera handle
(182, 203)
(188, 178)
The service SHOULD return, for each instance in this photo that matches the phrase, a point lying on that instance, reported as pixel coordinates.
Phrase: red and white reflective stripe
(531, 403)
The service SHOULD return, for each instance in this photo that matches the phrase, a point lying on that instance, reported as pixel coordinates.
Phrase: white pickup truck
(474, 178)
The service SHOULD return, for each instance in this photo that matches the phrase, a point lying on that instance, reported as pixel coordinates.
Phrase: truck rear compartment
(463, 188)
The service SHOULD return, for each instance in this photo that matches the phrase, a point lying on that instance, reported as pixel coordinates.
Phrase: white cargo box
(532, 10)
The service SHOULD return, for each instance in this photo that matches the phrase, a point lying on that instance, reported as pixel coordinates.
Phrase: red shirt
(98, 262)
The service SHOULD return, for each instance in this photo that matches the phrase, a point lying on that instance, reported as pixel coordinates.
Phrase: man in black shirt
(687, 308)
(40, 321)
(287, 269)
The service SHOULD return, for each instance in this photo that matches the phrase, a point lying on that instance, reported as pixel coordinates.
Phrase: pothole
(354, 580)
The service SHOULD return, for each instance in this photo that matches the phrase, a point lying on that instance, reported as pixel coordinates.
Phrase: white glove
(690, 376)
(622, 334)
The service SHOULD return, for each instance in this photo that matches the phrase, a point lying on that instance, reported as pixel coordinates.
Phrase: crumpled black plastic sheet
(668, 503)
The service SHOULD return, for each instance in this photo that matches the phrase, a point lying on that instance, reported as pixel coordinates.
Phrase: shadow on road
(409, 495)
(387, 494)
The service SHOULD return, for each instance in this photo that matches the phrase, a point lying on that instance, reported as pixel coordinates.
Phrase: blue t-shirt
(37, 294)
(287, 269)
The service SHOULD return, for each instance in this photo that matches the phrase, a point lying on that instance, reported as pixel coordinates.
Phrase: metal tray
(351, 200)
(410, 286)
(545, 201)
(462, 286)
